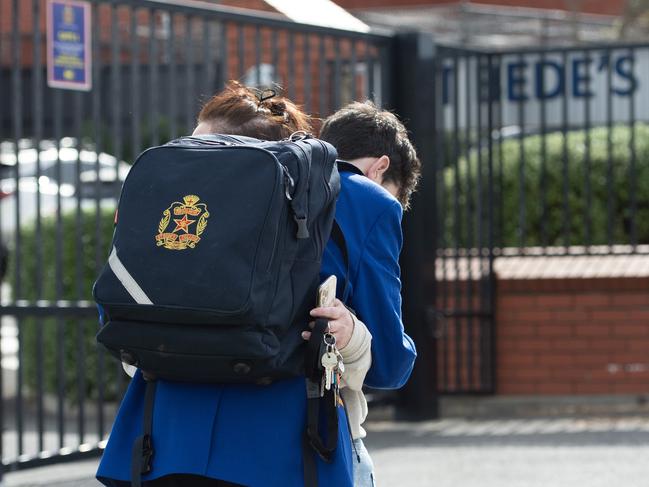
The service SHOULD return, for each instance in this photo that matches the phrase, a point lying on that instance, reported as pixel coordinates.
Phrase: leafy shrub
(82, 252)
(533, 213)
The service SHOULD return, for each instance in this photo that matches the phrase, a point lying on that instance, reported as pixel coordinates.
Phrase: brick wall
(573, 336)
(562, 325)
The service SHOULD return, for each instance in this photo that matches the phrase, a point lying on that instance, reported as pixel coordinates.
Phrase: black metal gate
(503, 136)
(536, 152)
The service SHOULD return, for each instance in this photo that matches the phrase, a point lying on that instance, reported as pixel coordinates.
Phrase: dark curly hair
(363, 130)
(239, 110)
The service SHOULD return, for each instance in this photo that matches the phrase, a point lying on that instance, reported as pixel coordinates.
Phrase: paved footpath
(460, 453)
(512, 453)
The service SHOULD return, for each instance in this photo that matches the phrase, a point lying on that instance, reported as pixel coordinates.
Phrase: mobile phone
(327, 292)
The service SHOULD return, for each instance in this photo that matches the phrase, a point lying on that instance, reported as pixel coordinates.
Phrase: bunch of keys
(332, 363)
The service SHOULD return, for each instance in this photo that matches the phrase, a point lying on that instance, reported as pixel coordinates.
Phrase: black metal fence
(64, 154)
(525, 152)
(539, 152)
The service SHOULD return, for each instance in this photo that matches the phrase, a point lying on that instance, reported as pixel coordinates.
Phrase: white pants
(363, 470)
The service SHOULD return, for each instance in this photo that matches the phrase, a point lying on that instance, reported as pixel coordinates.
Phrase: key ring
(329, 339)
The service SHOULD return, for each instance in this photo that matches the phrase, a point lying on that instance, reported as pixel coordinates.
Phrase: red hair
(239, 110)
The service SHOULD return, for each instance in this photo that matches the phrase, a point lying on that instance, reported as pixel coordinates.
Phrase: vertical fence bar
(436, 318)
(78, 267)
(98, 117)
(370, 64)
(224, 72)
(290, 68)
(522, 203)
(116, 73)
(337, 75)
(308, 96)
(456, 224)
(544, 161)
(81, 381)
(37, 122)
(386, 97)
(136, 100)
(258, 56)
(566, 176)
(37, 114)
(468, 218)
(501, 159)
(172, 70)
(497, 97)
(58, 269)
(97, 134)
(17, 122)
(352, 68)
(78, 289)
(443, 220)
(115, 86)
(189, 75)
(116, 150)
(609, 149)
(129, 63)
(587, 161)
(480, 215)
(208, 60)
(633, 237)
(494, 77)
(241, 51)
(274, 48)
(490, 345)
(17, 119)
(154, 114)
(321, 81)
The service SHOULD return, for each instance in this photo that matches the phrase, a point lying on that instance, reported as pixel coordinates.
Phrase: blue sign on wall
(69, 56)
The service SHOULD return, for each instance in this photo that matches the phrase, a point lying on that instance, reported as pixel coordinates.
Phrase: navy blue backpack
(216, 255)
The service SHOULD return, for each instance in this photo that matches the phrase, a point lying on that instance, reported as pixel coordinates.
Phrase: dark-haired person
(376, 186)
(243, 434)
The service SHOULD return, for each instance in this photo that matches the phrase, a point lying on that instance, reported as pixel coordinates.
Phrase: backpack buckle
(302, 229)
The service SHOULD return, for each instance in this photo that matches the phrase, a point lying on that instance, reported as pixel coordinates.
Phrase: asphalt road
(597, 452)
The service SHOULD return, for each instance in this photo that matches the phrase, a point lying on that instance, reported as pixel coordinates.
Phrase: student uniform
(250, 434)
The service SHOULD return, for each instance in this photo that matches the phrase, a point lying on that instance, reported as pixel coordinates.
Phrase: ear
(378, 168)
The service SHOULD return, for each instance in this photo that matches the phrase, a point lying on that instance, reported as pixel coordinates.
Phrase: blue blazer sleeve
(377, 299)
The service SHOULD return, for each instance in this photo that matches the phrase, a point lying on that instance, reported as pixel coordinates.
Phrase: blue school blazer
(250, 434)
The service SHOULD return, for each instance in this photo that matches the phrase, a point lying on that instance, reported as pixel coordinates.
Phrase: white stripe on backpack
(131, 286)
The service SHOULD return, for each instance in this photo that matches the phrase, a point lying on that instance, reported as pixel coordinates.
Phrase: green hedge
(508, 193)
(78, 258)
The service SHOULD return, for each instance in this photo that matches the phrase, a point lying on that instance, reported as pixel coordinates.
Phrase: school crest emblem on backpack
(182, 224)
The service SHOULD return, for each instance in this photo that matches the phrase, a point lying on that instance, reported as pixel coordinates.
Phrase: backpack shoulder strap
(339, 239)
